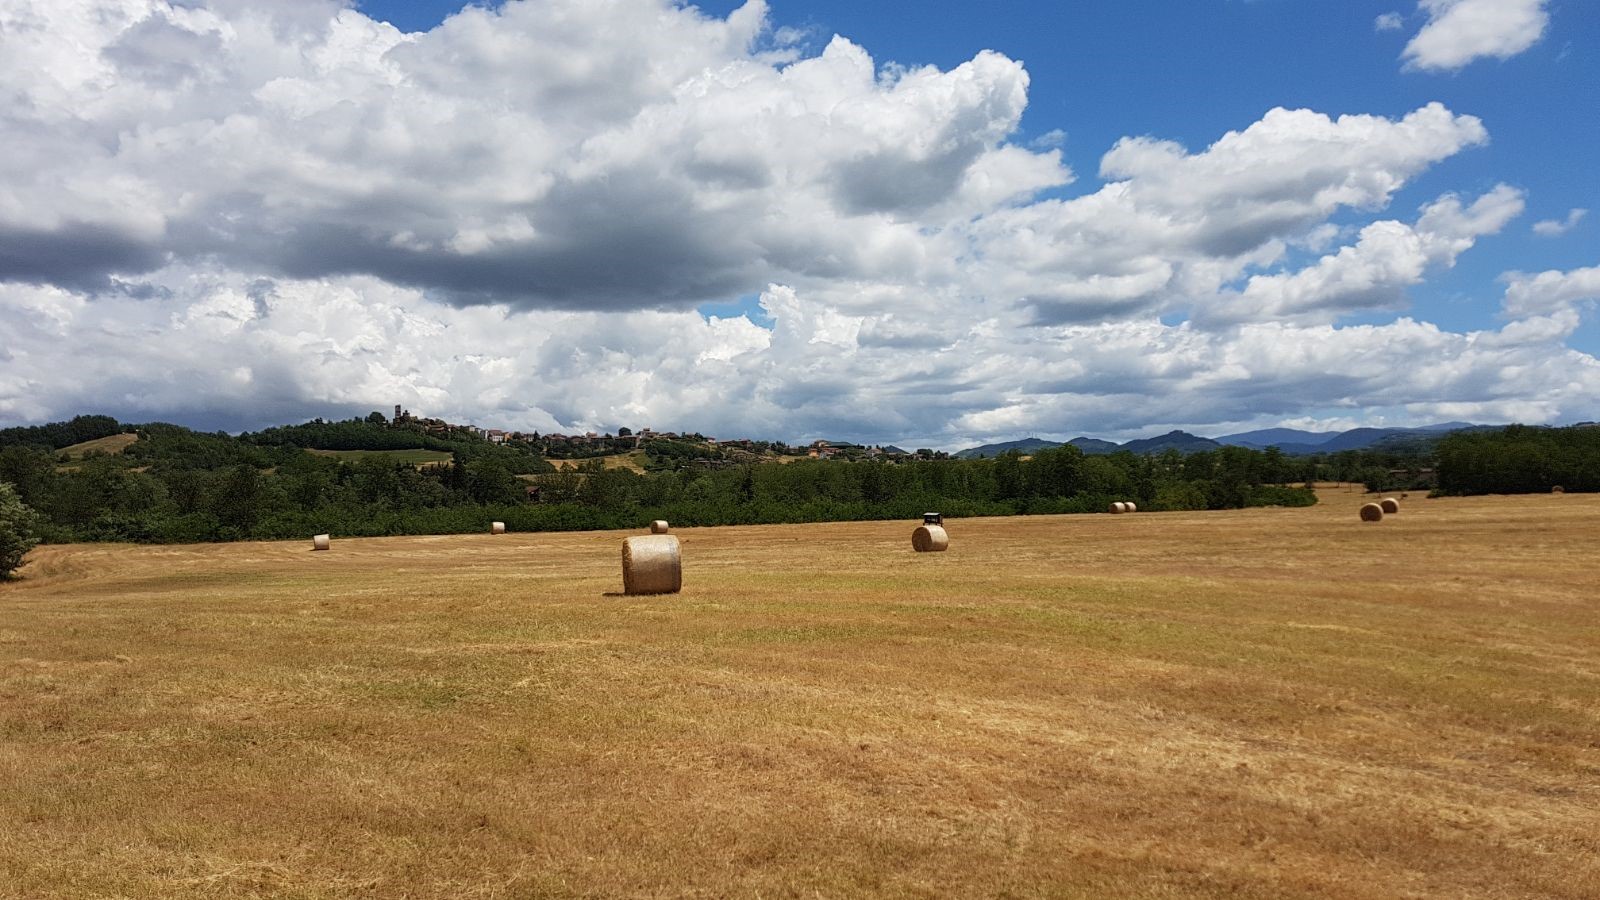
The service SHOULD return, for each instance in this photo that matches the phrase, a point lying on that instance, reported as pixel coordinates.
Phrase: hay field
(1263, 704)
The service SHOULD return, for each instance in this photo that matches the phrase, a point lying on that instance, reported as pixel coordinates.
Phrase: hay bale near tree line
(1130, 506)
(652, 564)
(497, 528)
(1371, 512)
(930, 539)
(1390, 505)
(1558, 489)
(659, 526)
(321, 542)
(1118, 508)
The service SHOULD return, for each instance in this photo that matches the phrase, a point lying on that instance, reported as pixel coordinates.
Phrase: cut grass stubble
(1261, 703)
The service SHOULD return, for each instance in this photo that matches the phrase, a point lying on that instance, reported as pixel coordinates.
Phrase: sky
(932, 224)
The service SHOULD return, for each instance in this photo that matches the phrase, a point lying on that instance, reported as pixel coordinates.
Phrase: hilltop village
(691, 448)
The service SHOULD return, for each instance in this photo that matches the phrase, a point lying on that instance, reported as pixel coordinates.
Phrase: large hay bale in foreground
(497, 528)
(930, 539)
(659, 526)
(1390, 505)
(1118, 507)
(652, 564)
(320, 542)
(1371, 512)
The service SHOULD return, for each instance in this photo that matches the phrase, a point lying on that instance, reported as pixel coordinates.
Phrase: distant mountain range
(1024, 446)
(1292, 441)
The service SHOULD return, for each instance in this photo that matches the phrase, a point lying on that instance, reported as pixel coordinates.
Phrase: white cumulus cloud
(1558, 227)
(1549, 292)
(1373, 273)
(1460, 31)
(236, 214)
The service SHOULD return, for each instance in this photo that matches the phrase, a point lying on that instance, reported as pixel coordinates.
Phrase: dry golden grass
(634, 460)
(1261, 704)
(112, 445)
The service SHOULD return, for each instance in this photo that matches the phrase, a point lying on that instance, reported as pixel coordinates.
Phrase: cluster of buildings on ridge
(627, 439)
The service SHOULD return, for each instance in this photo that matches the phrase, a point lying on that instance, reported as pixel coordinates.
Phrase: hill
(1181, 441)
(1094, 446)
(1024, 446)
(1296, 442)
(1276, 437)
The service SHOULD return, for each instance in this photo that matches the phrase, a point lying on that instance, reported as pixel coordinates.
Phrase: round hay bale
(652, 564)
(1558, 489)
(1131, 506)
(1390, 505)
(1118, 507)
(1371, 512)
(930, 539)
(497, 528)
(659, 526)
(320, 542)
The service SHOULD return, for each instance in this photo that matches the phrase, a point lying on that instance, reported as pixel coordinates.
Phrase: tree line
(178, 485)
(1520, 460)
(174, 484)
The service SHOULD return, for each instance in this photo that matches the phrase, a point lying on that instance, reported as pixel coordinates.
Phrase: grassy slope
(112, 444)
(1261, 703)
(634, 460)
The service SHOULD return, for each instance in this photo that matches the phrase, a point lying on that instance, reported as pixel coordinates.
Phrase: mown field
(1262, 703)
(112, 445)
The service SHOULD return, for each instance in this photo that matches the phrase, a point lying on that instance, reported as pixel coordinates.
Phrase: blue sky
(954, 222)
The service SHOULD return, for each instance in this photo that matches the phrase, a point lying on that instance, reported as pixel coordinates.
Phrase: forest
(1520, 460)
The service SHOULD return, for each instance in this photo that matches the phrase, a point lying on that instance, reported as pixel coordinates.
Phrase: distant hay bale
(1390, 505)
(1558, 489)
(652, 564)
(930, 539)
(320, 542)
(1371, 512)
(1118, 507)
(659, 526)
(497, 528)
(1131, 506)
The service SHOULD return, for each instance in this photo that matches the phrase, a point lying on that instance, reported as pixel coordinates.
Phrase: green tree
(18, 530)
(489, 481)
(1008, 475)
(29, 469)
(237, 499)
